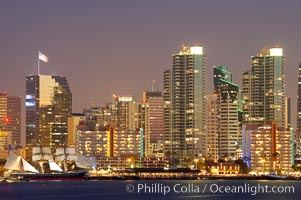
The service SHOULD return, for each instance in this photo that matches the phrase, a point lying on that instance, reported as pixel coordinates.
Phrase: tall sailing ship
(18, 168)
(16, 164)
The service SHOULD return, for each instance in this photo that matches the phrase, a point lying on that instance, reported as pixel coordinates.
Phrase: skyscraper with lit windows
(230, 114)
(10, 116)
(48, 106)
(212, 127)
(154, 100)
(298, 131)
(184, 98)
(263, 88)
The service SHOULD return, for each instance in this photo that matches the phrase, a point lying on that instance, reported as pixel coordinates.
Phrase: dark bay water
(152, 189)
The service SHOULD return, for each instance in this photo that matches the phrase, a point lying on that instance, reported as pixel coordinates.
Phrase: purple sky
(121, 46)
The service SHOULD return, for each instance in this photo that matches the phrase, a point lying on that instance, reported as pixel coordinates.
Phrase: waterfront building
(185, 104)
(223, 168)
(268, 148)
(10, 116)
(127, 143)
(98, 144)
(152, 163)
(48, 106)
(94, 144)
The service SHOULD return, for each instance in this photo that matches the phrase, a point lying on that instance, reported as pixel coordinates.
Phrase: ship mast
(41, 162)
(42, 155)
(65, 154)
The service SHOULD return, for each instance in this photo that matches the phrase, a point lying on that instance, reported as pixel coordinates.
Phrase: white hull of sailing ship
(20, 169)
(73, 175)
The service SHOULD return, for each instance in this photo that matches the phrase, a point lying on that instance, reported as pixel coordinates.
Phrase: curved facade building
(48, 105)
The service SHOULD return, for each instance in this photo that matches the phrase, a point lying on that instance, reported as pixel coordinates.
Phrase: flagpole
(38, 63)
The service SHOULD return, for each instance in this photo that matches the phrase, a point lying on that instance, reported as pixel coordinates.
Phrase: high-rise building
(228, 93)
(130, 133)
(298, 130)
(127, 113)
(168, 136)
(48, 105)
(212, 127)
(184, 97)
(263, 88)
(144, 124)
(154, 100)
(10, 116)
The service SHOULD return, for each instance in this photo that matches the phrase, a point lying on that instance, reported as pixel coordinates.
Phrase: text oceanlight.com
(246, 188)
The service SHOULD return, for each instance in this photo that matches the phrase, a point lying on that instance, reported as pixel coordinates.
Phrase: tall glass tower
(263, 88)
(185, 103)
(48, 105)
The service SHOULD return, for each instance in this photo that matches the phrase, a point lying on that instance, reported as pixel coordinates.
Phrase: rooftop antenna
(153, 85)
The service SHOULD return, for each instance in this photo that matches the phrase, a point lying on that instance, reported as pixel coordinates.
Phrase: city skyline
(109, 47)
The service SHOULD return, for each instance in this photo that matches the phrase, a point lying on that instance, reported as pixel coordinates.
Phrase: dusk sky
(106, 47)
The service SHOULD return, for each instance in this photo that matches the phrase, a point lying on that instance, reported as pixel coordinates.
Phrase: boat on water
(274, 176)
(17, 168)
(76, 175)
